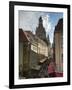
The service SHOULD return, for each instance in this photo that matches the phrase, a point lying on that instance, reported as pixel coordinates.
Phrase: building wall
(50, 53)
(23, 58)
(38, 51)
(42, 49)
(58, 45)
(30, 54)
(20, 57)
(33, 56)
(31, 51)
(58, 52)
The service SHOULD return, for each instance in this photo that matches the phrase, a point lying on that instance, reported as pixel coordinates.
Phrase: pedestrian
(51, 69)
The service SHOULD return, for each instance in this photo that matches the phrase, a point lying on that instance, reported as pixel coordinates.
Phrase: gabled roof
(28, 36)
(22, 36)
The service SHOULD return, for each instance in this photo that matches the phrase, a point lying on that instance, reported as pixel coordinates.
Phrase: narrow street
(47, 69)
(43, 72)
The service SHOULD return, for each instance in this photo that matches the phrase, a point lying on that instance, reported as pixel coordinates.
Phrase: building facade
(58, 46)
(32, 50)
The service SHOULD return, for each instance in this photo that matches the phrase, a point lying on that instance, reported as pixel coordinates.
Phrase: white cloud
(48, 27)
(47, 23)
(51, 34)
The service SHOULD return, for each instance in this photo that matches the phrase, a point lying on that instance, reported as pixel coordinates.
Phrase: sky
(28, 21)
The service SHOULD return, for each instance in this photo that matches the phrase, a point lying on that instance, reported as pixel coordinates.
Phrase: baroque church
(40, 30)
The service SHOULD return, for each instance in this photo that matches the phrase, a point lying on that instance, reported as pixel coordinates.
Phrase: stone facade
(40, 30)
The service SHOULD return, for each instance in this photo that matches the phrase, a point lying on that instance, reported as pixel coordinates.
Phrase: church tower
(40, 30)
